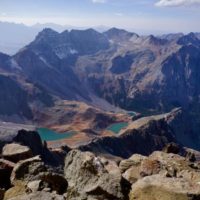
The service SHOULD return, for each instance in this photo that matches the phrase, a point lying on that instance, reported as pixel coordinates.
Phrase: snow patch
(14, 64)
(45, 62)
(64, 52)
(73, 51)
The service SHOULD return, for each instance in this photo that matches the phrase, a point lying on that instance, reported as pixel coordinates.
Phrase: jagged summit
(190, 38)
(115, 31)
(152, 40)
(119, 35)
(172, 36)
(46, 33)
(71, 42)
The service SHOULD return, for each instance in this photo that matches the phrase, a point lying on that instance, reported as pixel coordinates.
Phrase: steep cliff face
(153, 73)
(49, 59)
(19, 95)
(181, 76)
(53, 77)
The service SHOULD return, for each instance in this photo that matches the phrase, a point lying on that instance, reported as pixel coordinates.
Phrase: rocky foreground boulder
(170, 174)
(157, 187)
(31, 179)
(91, 177)
(159, 176)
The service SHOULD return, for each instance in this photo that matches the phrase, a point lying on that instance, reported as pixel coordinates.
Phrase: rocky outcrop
(163, 176)
(30, 139)
(153, 135)
(31, 142)
(178, 124)
(185, 126)
(87, 176)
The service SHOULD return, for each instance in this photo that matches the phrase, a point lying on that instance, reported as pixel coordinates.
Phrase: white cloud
(177, 2)
(99, 1)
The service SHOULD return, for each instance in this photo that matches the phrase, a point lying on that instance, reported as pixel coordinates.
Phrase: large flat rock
(16, 152)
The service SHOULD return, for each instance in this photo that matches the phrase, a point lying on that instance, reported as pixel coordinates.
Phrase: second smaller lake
(117, 127)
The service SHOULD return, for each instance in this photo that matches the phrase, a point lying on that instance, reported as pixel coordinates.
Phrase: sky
(135, 15)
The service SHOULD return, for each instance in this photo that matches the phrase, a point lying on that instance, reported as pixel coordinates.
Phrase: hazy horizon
(99, 28)
(148, 16)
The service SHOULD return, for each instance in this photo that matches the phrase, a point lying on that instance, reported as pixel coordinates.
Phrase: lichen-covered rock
(132, 174)
(27, 170)
(134, 160)
(88, 176)
(16, 152)
(150, 167)
(137, 158)
(131, 167)
(126, 164)
(174, 164)
(166, 164)
(157, 187)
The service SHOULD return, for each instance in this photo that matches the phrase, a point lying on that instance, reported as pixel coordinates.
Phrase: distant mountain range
(15, 36)
(116, 68)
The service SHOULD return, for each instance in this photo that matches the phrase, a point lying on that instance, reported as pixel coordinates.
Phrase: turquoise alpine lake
(50, 135)
(117, 127)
